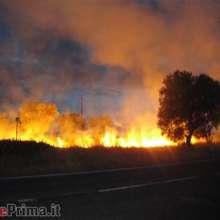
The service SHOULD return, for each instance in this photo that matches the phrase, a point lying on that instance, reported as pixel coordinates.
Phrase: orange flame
(42, 122)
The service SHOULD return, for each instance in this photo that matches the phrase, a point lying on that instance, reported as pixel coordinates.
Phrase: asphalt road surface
(171, 191)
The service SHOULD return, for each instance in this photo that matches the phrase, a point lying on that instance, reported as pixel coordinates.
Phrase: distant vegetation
(189, 106)
(28, 158)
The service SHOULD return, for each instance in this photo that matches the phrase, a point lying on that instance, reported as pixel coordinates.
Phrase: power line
(96, 92)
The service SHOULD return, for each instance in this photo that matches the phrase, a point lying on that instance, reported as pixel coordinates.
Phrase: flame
(43, 122)
(60, 142)
(135, 138)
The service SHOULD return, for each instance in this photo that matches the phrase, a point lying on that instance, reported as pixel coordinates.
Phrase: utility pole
(18, 122)
(81, 106)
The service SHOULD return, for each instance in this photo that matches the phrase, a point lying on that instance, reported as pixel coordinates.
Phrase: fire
(135, 138)
(42, 122)
(60, 142)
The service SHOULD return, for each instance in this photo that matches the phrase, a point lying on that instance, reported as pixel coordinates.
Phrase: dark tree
(189, 106)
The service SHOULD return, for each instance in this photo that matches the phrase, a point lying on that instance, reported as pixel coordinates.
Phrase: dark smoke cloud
(112, 42)
(38, 64)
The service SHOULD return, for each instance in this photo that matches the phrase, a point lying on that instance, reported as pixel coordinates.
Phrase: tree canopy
(189, 105)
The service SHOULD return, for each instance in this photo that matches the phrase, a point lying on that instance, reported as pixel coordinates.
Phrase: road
(152, 192)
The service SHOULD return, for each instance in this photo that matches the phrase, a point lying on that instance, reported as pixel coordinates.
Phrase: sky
(37, 64)
(113, 52)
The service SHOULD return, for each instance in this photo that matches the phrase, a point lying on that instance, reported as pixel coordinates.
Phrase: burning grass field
(19, 158)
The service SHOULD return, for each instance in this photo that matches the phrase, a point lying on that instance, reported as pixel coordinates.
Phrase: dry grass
(28, 157)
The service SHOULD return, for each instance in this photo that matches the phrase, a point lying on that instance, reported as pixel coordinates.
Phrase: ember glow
(43, 122)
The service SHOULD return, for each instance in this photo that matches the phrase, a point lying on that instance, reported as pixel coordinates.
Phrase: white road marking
(120, 188)
(104, 171)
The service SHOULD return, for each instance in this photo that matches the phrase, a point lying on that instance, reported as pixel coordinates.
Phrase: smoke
(146, 39)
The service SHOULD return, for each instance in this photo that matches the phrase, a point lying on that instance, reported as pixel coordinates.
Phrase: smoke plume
(147, 39)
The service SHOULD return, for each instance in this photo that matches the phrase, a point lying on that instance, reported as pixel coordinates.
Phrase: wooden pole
(81, 105)
(18, 122)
